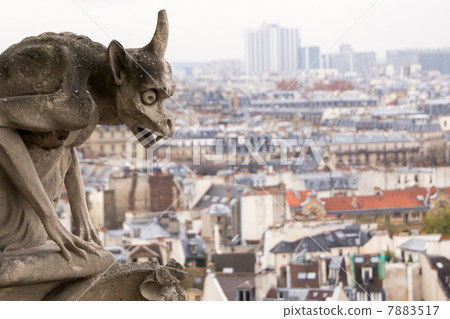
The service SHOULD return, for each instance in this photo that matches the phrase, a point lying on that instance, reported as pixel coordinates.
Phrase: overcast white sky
(207, 30)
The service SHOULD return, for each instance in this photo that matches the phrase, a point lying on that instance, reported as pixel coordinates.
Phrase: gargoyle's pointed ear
(117, 58)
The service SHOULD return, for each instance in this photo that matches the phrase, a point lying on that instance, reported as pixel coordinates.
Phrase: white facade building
(271, 49)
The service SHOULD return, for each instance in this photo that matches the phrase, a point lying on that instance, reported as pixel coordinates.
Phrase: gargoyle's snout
(160, 129)
(166, 127)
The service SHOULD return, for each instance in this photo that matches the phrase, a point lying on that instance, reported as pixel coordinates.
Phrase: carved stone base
(132, 282)
(46, 264)
(43, 274)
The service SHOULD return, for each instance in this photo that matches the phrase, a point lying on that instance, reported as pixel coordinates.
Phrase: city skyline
(201, 31)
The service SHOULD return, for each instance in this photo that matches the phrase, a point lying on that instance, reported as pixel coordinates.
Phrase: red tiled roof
(297, 198)
(388, 199)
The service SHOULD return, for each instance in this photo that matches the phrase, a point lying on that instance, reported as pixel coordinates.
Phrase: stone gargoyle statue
(54, 90)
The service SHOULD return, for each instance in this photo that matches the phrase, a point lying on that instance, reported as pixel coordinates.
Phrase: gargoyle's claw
(89, 234)
(98, 242)
(88, 247)
(82, 253)
(96, 246)
(66, 254)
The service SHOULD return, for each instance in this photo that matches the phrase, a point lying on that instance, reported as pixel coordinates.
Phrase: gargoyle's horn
(158, 44)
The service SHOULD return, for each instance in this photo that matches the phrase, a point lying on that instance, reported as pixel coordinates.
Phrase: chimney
(132, 193)
(235, 101)
(428, 196)
(354, 201)
(190, 234)
(217, 239)
(164, 220)
(174, 226)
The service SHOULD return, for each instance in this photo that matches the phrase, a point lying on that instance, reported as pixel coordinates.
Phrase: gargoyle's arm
(19, 167)
(45, 113)
(77, 199)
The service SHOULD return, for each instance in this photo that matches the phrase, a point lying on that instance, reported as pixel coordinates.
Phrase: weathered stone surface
(136, 281)
(28, 293)
(46, 264)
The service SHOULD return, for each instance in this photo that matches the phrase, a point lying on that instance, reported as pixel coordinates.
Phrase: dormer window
(244, 295)
(282, 295)
(193, 248)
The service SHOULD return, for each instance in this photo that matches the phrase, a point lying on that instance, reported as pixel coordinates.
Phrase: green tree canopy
(438, 221)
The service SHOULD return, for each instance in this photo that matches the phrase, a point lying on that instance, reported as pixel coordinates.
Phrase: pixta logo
(141, 152)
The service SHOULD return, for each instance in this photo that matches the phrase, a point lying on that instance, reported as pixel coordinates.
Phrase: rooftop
(388, 199)
(230, 283)
(349, 236)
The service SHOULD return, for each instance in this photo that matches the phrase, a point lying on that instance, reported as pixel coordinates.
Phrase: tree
(436, 156)
(389, 255)
(438, 221)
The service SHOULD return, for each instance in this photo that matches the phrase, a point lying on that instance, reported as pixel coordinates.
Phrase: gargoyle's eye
(149, 97)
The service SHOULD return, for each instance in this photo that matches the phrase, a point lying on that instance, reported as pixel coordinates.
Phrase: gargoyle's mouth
(147, 138)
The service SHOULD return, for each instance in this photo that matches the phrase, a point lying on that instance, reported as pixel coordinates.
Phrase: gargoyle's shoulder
(64, 38)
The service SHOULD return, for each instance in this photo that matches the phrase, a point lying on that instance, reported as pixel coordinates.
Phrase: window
(359, 260)
(193, 248)
(101, 135)
(315, 294)
(311, 275)
(244, 295)
(219, 220)
(366, 274)
(169, 245)
(281, 294)
(197, 298)
(301, 275)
